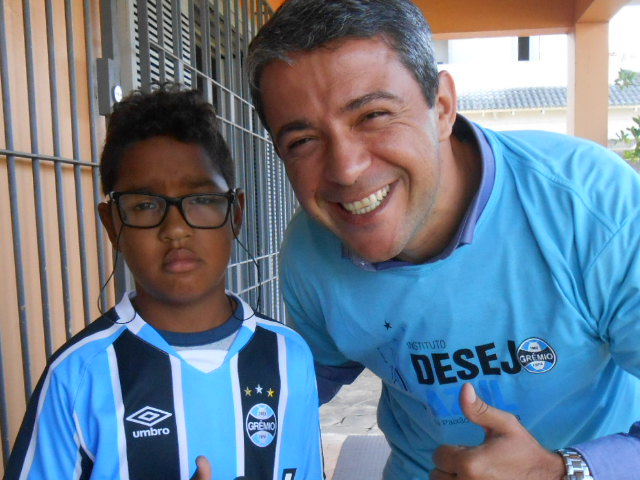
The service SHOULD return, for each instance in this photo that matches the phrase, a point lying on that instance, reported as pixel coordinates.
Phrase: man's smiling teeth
(367, 204)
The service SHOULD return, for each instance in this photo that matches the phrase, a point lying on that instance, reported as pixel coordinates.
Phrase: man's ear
(446, 104)
(106, 217)
(237, 211)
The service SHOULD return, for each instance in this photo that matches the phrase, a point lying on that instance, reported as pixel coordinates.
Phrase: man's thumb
(480, 413)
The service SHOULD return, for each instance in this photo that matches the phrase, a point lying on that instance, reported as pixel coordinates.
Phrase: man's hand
(509, 451)
(204, 471)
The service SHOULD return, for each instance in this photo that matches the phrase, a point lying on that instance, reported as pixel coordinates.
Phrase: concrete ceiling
(473, 18)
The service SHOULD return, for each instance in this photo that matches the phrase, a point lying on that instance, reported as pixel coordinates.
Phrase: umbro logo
(148, 416)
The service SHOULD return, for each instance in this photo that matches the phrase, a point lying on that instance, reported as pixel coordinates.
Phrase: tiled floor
(351, 412)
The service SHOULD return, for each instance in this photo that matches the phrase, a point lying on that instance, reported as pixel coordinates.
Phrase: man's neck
(461, 175)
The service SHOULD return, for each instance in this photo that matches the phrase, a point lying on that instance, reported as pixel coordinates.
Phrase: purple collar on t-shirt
(465, 131)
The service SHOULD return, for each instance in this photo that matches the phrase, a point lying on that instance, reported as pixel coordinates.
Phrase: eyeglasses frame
(230, 195)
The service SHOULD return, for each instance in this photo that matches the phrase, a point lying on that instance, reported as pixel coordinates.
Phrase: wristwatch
(575, 466)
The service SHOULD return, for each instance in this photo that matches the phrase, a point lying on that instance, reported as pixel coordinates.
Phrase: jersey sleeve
(305, 315)
(304, 312)
(614, 457)
(612, 283)
(331, 379)
(48, 443)
(301, 442)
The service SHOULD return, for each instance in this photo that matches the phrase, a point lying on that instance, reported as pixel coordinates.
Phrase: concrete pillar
(588, 83)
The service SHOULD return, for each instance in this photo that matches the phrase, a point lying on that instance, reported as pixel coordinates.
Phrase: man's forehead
(366, 64)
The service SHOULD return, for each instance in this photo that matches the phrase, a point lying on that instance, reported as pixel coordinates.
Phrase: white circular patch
(261, 424)
(536, 356)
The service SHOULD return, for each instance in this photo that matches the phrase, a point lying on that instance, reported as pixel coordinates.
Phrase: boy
(180, 368)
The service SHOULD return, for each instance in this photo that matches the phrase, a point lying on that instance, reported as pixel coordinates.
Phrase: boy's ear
(237, 211)
(106, 217)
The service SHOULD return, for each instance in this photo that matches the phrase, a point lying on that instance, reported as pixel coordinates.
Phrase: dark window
(524, 49)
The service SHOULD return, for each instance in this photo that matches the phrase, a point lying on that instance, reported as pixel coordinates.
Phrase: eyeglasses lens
(203, 211)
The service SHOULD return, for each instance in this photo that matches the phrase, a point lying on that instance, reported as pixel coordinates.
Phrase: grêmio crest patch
(536, 356)
(261, 424)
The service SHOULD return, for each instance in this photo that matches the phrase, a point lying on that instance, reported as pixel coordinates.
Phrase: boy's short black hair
(168, 110)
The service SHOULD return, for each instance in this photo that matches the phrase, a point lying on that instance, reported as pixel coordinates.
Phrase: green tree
(631, 134)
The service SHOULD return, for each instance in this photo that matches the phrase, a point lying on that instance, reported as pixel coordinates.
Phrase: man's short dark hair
(304, 25)
(168, 110)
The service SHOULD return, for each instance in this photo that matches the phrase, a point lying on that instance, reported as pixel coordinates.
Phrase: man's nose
(347, 158)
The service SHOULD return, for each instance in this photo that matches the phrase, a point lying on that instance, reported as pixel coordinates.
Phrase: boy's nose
(174, 225)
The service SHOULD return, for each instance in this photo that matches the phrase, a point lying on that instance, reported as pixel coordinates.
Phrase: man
(450, 259)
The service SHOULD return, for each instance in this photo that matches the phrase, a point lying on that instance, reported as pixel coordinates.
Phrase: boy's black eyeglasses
(199, 210)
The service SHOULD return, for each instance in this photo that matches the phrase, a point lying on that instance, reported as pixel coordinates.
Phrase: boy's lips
(180, 260)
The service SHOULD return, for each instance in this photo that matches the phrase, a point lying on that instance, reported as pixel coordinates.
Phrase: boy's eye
(200, 200)
(145, 205)
(205, 200)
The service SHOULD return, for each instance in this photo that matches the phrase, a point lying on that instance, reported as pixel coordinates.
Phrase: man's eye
(298, 143)
(376, 114)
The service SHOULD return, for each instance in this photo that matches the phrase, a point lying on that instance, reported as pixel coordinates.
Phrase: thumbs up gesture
(508, 451)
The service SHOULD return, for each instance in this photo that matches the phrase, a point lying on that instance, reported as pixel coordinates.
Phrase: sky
(624, 38)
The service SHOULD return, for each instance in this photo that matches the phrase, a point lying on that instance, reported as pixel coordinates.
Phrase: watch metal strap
(575, 466)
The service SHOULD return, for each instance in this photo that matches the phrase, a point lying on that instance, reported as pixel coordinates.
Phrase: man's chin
(372, 254)
(363, 241)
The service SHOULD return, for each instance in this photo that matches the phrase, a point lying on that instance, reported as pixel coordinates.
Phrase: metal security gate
(52, 255)
(60, 61)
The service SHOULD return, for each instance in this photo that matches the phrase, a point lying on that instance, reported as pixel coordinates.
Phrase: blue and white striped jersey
(118, 402)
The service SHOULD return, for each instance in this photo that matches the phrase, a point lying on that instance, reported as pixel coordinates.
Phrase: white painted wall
(492, 63)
